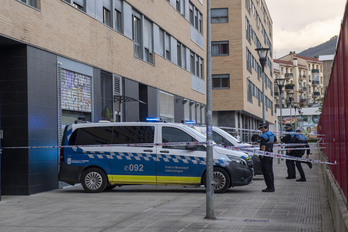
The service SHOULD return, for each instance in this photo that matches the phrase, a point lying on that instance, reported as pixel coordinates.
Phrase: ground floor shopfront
(41, 92)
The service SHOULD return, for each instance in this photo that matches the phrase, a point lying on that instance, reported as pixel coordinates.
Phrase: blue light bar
(153, 119)
(190, 122)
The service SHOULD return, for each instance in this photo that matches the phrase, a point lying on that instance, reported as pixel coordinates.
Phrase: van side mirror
(191, 147)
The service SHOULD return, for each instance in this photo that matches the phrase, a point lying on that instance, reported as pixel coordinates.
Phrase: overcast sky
(301, 24)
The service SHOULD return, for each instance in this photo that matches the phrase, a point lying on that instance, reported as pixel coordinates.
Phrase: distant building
(303, 77)
(327, 66)
(238, 28)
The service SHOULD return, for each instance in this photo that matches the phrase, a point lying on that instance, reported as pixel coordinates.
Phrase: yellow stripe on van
(178, 180)
(129, 179)
(135, 179)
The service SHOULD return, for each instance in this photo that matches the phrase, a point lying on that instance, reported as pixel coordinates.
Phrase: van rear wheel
(221, 180)
(94, 180)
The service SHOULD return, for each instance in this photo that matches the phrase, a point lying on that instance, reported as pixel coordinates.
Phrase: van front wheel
(94, 180)
(221, 180)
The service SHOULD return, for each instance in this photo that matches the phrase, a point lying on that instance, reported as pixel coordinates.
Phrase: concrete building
(303, 77)
(238, 28)
(327, 67)
(69, 60)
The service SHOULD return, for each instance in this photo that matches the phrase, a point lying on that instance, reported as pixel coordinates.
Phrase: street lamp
(290, 95)
(280, 83)
(295, 106)
(263, 59)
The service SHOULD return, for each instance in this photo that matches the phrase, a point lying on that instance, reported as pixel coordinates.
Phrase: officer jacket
(267, 139)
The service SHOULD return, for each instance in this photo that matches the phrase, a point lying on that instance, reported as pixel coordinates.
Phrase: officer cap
(263, 125)
(298, 130)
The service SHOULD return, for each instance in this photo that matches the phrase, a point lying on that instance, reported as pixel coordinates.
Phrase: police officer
(300, 153)
(290, 164)
(266, 144)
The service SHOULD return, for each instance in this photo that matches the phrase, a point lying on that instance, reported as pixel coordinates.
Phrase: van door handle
(164, 151)
(148, 150)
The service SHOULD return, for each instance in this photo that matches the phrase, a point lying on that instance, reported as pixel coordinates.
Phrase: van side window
(91, 136)
(133, 134)
(172, 135)
(221, 140)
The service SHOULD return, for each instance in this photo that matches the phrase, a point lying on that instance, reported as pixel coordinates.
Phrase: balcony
(302, 89)
(288, 75)
(316, 94)
(315, 82)
(315, 70)
(303, 102)
(289, 87)
(302, 77)
(276, 93)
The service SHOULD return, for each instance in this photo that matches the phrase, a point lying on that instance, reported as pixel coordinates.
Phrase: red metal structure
(334, 118)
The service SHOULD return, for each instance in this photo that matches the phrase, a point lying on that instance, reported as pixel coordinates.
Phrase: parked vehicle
(223, 138)
(91, 159)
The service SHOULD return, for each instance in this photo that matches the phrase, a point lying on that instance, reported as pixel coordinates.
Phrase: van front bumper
(240, 174)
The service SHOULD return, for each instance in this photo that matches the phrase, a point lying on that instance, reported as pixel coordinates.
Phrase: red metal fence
(334, 118)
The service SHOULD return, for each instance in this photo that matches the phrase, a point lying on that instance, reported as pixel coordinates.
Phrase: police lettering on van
(104, 167)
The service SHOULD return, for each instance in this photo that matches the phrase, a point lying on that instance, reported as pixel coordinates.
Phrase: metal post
(290, 113)
(209, 121)
(263, 94)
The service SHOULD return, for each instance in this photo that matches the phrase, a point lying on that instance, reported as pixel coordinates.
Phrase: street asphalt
(294, 206)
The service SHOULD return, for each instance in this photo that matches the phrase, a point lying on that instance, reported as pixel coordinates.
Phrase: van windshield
(201, 137)
(225, 134)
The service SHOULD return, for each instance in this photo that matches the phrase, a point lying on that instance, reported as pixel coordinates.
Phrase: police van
(225, 139)
(93, 156)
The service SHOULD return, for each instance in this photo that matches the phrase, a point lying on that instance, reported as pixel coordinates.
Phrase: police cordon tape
(247, 149)
(274, 132)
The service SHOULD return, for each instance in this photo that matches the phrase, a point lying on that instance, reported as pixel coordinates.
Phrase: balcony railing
(316, 94)
(302, 77)
(289, 87)
(315, 82)
(302, 89)
(276, 93)
(315, 70)
(288, 75)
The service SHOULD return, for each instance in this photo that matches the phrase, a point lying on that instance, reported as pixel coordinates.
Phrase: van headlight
(237, 160)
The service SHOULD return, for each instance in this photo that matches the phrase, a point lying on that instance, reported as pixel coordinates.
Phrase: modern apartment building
(68, 60)
(303, 77)
(238, 28)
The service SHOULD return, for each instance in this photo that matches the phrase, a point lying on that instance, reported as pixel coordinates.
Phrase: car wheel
(94, 180)
(221, 180)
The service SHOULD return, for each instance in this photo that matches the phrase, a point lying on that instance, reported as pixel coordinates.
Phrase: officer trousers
(267, 170)
(300, 169)
(290, 164)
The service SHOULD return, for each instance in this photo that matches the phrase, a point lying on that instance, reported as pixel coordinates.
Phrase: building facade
(238, 28)
(303, 77)
(64, 61)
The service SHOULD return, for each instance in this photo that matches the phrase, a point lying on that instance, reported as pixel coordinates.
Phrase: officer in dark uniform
(290, 164)
(299, 153)
(266, 144)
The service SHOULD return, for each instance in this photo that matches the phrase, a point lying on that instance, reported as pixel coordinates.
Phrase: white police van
(225, 139)
(88, 158)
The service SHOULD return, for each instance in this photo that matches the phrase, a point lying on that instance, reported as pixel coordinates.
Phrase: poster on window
(76, 91)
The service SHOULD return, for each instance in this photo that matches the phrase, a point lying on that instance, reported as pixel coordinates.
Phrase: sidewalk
(295, 206)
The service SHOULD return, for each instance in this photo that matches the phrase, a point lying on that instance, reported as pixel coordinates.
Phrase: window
(192, 62)
(179, 54)
(201, 67)
(221, 81)
(200, 22)
(183, 54)
(118, 21)
(221, 140)
(167, 46)
(195, 17)
(79, 5)
(178, 5)
(187, 110)
(166, 106)
(219, 48)
(106, 96)
(192, 14)
(106, 17)
(137, 36)
(133, 134)
(91, 136)
(148, 41)
(32, 3)
(161, 42)
(250, 91)
(172, 135)
(219, 15)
